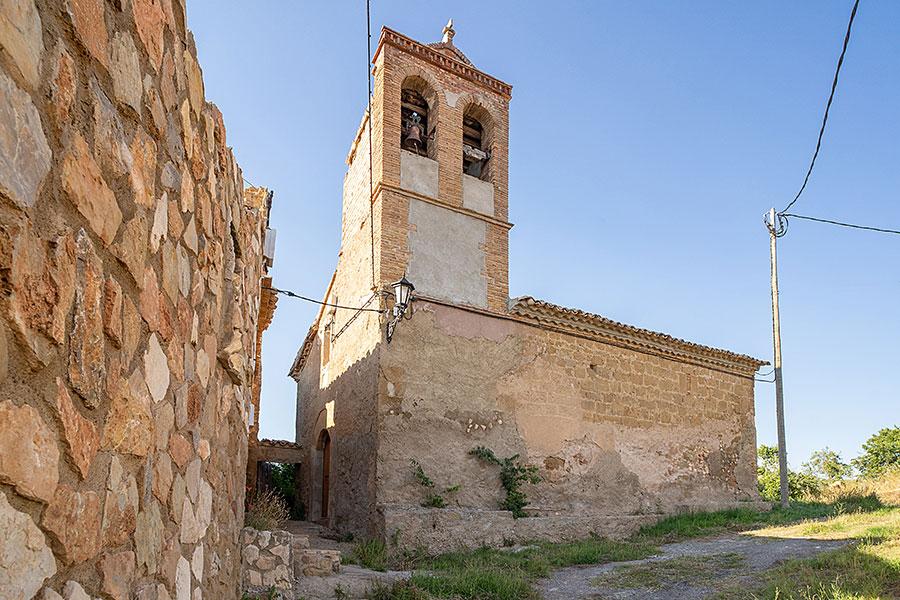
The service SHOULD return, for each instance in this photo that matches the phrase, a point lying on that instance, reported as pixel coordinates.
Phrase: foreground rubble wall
(130, 261)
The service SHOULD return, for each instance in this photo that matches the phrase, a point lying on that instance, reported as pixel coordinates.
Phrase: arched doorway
(325, 447)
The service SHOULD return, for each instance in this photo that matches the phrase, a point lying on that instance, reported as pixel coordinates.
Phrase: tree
(801, 486)
(827, 464)
(881, 452)
(768, 457)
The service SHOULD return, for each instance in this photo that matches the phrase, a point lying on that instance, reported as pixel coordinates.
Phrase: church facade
(621, 425)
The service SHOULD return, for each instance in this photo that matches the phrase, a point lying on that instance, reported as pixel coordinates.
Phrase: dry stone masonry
(266, 559)
(130, 264)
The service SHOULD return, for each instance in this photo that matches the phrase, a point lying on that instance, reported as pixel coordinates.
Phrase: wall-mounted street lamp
(403, 290)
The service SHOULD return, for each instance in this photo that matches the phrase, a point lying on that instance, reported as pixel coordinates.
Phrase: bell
(414, 132)
(414, 135)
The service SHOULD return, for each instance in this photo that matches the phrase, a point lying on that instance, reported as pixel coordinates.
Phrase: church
(401, 397)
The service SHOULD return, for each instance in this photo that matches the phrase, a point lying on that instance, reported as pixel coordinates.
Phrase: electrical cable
(369, 127)
(307, 299)
(841, 224)
(834, 84)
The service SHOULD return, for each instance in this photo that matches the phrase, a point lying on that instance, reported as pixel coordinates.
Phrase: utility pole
(776, 230)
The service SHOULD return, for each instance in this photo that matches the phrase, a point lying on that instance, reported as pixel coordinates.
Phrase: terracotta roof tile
(596, 326)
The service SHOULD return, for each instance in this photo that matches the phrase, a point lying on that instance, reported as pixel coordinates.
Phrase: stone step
(354, 583)
(311, 562)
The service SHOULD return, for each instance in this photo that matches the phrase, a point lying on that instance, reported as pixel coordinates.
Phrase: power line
(834, 84)
(307, 299)
(841, 224)
(370, 125)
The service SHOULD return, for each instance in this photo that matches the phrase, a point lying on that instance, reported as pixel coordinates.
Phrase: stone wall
(279, 558)
(437, 531)
(613, 430)
(130, 262)
(266, 560)
(336, 392)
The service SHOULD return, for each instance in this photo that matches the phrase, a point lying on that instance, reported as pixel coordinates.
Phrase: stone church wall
(130, 261)
(613, 431)
(336, 386)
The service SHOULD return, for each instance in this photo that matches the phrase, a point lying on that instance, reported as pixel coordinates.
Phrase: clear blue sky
(646, 141)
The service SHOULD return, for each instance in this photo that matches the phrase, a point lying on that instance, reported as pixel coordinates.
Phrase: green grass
(862, 572)
(538, 559)
(868, 569)
(879, 524)
(371, 554)
(691, 525)
(658, 574)
(497, 574)
(504, 574)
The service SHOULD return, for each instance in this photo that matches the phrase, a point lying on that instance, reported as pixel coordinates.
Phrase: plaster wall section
(345, 409)
(447, 254)
(613, 431)
(131, 263)
(478, 195)
(418, 174)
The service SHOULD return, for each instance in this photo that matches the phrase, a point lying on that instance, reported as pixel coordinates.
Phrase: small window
(475, 153)
(414, 122)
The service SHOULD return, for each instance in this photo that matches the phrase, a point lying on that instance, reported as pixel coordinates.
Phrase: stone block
(86, 188)
(73, 520)
(80, 434)
(30, 459)
(317, 563)
(87, 361)
(24, 152)
(27, 559)
(20, 36)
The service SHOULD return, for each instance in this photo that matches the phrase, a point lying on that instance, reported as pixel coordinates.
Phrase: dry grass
(881, 524)
(267, 511)
(886, 487)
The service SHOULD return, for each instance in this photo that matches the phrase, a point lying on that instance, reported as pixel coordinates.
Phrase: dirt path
(688, 570)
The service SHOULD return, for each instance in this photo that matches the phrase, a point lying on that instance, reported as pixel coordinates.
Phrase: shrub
(881, 453)
(284, 480)
(266, 511)
(513, 473)
(827, 464)
(801, 486)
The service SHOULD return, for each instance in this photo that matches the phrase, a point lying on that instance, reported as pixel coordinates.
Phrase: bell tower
(440, 172)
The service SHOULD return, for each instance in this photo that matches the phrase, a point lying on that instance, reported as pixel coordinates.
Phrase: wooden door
(326, 470)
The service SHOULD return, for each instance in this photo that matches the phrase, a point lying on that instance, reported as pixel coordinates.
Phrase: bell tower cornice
(459, 66)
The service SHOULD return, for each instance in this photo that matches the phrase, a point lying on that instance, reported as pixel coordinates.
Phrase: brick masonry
(130, 262)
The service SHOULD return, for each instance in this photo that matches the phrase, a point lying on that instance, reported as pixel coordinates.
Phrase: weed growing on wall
(432, 500)
(513, 473)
